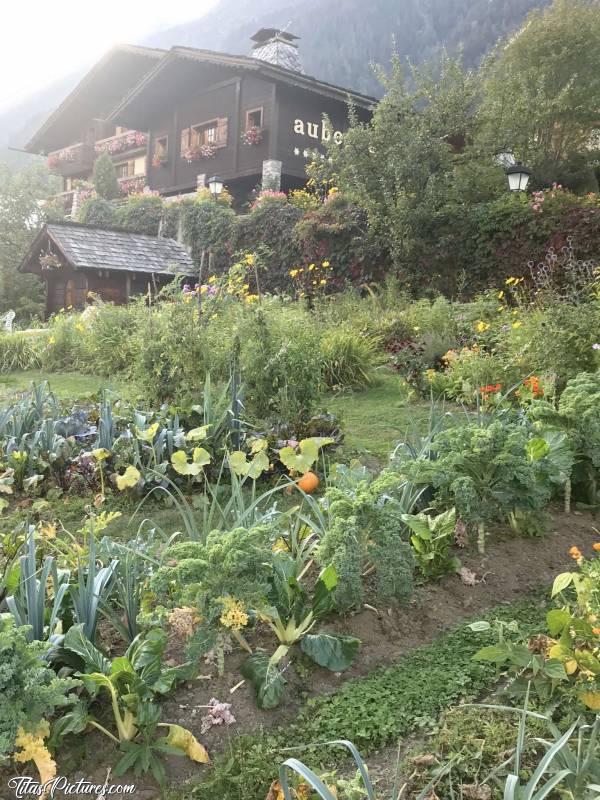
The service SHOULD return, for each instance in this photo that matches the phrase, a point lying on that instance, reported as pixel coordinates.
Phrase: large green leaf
(537, 449)
(268, 681)
(77, 642)
(557, 619)
(302, 458)
(561, 582)
(253, 468)
(323, 594)
(332, 652)
(200, 458)
(145, 654)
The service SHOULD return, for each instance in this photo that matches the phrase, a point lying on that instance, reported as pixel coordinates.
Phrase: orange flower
(575, 553)
(596, 546)
(596, 631)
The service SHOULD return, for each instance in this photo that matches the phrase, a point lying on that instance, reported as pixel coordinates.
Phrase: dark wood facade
(251, 122)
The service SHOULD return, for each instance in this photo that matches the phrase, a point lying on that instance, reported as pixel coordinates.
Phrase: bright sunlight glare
(44, 41)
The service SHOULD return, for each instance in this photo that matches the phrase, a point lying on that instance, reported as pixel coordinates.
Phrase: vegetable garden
(348, 516)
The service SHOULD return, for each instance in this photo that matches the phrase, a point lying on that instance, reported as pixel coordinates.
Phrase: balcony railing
(71, 160)
(133, 185)
(122, 143)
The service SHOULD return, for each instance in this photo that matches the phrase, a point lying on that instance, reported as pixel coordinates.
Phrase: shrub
(140, 214)
(97, 211)
(171, 356)
(338, 231)
(67, 346)
(21, 351)
(349, 358)
(208, 226)
(280, 362)
(269, 230)
(104, 178)
(111, 337)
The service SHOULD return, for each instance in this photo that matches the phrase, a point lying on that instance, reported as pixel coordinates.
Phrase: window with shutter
(221, 140)
(185, 139)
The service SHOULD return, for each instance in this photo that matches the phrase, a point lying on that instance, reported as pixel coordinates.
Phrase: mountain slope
(340, 40)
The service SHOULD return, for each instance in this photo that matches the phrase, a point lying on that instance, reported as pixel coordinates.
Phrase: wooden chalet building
(172, 119)
(75, 260)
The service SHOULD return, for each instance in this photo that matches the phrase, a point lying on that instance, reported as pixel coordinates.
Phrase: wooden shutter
(221, 140)
(185, 139)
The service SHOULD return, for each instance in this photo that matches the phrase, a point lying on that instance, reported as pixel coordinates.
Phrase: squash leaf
(128, 479)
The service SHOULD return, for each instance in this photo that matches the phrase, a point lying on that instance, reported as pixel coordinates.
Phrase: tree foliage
(104, 178)
(22, 216)
(542, 93)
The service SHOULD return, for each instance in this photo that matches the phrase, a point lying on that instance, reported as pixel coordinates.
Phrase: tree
(404, 165)
(542, 93)
(21, 216)
(105, 178)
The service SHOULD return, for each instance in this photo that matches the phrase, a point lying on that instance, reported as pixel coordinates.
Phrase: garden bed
(512, 567)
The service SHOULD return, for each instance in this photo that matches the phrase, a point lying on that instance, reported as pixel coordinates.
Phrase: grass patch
(372, 711)
(65, 385)
(374, 419)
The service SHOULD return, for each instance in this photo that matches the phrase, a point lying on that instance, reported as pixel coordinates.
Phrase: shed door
(76, 291)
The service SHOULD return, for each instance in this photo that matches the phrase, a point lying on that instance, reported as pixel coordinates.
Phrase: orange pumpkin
(308, 482)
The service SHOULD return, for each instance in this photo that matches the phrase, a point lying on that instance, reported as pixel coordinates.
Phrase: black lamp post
(518, 177)
(215, 184)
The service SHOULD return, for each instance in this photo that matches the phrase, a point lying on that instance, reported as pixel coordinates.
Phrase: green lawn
(65, 385)
(375, 419)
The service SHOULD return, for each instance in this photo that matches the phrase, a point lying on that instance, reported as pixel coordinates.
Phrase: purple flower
(218, 714)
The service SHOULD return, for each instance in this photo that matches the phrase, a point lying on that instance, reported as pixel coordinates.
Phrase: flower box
(197, 153)
(253, 136)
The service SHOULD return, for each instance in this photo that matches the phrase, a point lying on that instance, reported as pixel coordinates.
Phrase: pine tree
(105, 178)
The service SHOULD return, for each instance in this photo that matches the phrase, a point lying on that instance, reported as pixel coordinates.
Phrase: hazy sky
(47, 39)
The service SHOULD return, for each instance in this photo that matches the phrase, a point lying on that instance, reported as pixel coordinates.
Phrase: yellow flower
(32, 748)
(52, 340)
(481, 326)
(500, 309)
(322, 282)
(250, 260)
(212, 279)
(280, 545)
(416, 328)
(251, 298)
(311, 267)
(333, 190)
(79, 327)
(213, 316)
(233, 616)
(510, 281)
(325, 264)
(47, 530)
(293, 273)
(517, 324)
(69, 308)
(500, 294)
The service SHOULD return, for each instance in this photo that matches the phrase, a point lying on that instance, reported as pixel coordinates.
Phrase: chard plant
(133, 682)
(292, 616)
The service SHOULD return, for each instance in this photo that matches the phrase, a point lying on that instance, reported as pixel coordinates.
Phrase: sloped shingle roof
(87, 247)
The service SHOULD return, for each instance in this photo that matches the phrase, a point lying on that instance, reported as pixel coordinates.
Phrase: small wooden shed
(75, 259)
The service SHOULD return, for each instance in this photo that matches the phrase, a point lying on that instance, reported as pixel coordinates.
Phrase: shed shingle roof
(87, 247)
